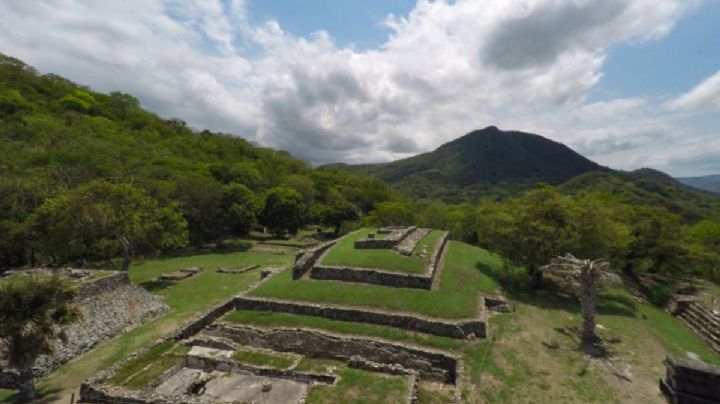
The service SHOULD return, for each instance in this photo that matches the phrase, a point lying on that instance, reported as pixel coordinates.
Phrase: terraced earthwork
(297, 336)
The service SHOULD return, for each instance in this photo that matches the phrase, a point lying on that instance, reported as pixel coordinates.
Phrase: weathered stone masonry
(305, 259)
(109, 306)
(444, 328)
(691, 382)
(388, 242)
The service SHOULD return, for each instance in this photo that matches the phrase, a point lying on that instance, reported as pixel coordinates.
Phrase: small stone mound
(180, 275)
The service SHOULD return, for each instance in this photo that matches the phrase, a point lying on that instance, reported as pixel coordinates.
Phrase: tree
(241, 208)
(392, 214)
(585, 274)
(335, 211)
(101, 220)
(31, 308)
(283, 210)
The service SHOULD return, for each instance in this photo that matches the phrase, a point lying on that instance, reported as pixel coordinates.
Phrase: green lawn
(187, 298)
(260, 358)
(455, 298)
(361, 387)
(271, 319)
(344, 253)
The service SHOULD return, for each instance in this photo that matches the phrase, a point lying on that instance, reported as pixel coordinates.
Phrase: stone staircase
(699, 318)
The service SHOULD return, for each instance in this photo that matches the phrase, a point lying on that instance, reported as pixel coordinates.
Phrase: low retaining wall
(305, 259)
(386, 243)
(690, 382)
(444, 328)
(377, 276)
(429, 365)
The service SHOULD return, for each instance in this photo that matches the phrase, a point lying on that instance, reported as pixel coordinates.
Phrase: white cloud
(705, 96)
(446, 68)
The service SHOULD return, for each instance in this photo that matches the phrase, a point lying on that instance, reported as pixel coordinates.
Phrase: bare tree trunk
(127, 255)
(588, 297)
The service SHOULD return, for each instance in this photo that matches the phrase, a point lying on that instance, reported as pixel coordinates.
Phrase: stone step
(693, 328)
(708, 329)
(705, 313)
(701, 328)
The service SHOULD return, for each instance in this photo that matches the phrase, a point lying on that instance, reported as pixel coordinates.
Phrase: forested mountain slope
(708, 182)
(57, 136)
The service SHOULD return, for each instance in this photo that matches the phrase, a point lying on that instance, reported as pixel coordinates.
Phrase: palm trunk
(588, 302)
(27, 392)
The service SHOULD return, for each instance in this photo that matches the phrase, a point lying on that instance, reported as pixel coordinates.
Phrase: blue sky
(627, 83)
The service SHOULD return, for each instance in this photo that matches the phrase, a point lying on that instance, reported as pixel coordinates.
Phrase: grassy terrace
(141, 371)
(263, 358)
(355, 386)
(461, 280)
(271, 319)
(344, 253)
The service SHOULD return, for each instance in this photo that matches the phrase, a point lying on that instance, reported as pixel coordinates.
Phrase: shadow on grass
(47, 395)
(600, 349)
(156, 285)
(515, 282)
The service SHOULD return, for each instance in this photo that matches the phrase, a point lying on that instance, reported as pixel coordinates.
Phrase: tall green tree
(31, 309)
(335, 211)
(102, 220)
(283, 211)
(241, 207)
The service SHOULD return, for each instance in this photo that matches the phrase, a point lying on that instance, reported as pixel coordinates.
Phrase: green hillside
(58, 139)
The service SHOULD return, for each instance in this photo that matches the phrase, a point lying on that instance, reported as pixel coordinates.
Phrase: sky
(627, 83)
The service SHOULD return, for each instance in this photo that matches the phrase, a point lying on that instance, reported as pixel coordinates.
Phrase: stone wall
(701, 319)
(429, 364)
(371, 276)
(377, 276)
(305, 259)
(109, 306)
(444, 328)
(690, 382)
(388, 242)
(407, 246)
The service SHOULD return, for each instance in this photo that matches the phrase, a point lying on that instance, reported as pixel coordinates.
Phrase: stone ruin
(184, 273)
(691, 382)
(702, 320)
(110, 305)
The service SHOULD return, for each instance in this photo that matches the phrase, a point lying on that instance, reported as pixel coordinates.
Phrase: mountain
(481, 162)
(708, 182)
(648, 187)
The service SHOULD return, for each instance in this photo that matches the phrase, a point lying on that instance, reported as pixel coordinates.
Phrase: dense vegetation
(90, 176)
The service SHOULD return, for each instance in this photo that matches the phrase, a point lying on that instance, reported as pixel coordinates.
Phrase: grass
(143, 370)
(258, 358)
(319, 365)
(455, 298)
(271, 319)
(360, 387)
(187, 298)
(344, 253)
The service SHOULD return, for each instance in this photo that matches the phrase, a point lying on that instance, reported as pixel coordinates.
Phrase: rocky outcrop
(690, 382)
(430, 365)
(445, 328)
